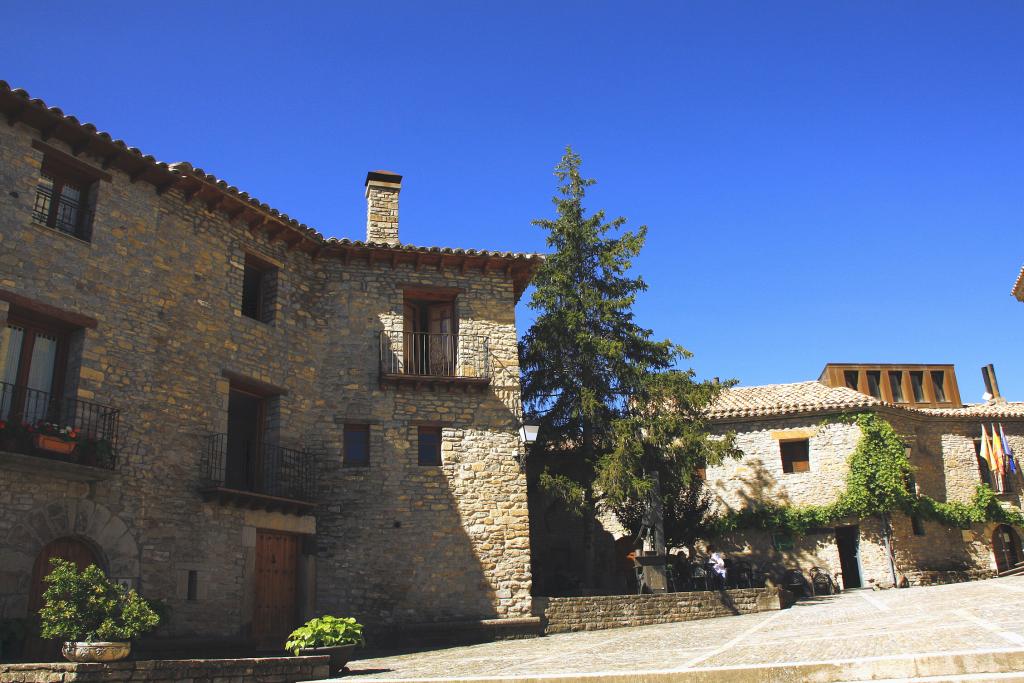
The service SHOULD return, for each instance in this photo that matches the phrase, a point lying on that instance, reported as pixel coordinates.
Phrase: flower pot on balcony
(53, 444)
(95, 652)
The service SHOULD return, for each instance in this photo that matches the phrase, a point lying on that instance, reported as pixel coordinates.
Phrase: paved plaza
(982, 619)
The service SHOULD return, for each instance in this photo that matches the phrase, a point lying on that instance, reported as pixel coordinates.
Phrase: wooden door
(442, 341)
(245, 433)
(276, 609)
(72, 550)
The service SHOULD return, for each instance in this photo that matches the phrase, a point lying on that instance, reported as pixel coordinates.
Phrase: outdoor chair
(638, 571)
(741, 575)
(796, 582)
(699, 577)
(821, 582)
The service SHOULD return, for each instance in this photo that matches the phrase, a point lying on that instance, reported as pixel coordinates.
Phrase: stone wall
(595, 613)
(162, 276)
(264, 670)
(946, 468)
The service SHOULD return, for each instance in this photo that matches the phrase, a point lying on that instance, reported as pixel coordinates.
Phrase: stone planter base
(339, 654)
(96, 652)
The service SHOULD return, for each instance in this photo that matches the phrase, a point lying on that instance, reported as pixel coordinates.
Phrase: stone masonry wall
(163, 278)
(265, 670)
(595, 613)
(943, 455)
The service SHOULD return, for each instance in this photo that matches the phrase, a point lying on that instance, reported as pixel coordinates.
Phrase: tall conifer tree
(603, 391)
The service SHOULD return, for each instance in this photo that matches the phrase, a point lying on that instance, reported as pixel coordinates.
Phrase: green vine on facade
(877, 484)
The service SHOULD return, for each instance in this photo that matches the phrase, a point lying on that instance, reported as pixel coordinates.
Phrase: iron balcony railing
(429, 354)
(37, 423)
(254, 466)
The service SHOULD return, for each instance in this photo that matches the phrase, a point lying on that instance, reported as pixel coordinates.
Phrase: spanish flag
(997, 452)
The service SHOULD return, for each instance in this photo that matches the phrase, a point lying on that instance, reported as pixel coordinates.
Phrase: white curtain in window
(10, 352)
(40, 376)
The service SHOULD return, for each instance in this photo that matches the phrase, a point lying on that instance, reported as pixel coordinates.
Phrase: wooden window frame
(421, 431)
(354, 428)
(790, 460)
(65, 170)
(33, 325)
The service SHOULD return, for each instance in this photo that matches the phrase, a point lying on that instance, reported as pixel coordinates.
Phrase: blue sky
(822, 181)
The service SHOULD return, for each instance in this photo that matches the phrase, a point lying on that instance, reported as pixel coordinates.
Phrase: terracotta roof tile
(18, 105)
(784, 399)
(812, 397)
(1018, 286)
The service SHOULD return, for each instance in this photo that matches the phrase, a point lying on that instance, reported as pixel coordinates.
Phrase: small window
(874, 383)
(782, 541)
(357, 446)
(896, 385)
(917, 385)
(430, 445)
(939, 385)
(259, 287)
(193, 585)
(701, 470)
(851, 377)
(917, 524)
(64, 200)
(796, 456)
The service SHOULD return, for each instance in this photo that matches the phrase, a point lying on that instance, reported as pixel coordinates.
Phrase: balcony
(67, 435)
(431, 359)
(258, 475)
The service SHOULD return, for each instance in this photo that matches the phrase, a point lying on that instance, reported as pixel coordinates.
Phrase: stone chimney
(382, 188)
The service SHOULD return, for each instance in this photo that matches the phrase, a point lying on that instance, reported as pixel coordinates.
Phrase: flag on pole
(986, 455)
(1007, 450)
(997, 452)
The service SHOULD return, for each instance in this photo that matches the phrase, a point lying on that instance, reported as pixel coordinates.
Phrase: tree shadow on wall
(754, 488)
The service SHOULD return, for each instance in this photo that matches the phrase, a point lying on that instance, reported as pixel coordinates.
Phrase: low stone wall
(593, 613)
(928, 577)
(264, 670)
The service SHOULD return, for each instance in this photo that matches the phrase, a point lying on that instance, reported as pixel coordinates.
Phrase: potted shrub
(327, 635)
(93, 615)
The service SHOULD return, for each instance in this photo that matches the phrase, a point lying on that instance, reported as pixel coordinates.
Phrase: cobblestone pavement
(982, 615)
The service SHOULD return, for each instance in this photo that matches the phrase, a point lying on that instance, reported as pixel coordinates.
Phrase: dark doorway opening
(245, 433)
(848, 543)
(1006, 544)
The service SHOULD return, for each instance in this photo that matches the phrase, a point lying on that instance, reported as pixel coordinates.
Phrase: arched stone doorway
(1006, 544)
(66, 548)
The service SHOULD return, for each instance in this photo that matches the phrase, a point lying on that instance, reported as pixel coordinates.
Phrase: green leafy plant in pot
(95, 616)
(327, 635)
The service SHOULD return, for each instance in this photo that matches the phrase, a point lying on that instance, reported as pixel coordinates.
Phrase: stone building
(269, 424)
(795, 452)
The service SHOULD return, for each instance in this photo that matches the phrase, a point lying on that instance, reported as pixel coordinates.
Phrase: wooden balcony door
(246, 413)
(430, 338)
(276, 605)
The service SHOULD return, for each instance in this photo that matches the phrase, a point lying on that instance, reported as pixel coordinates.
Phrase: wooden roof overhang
(206, 190)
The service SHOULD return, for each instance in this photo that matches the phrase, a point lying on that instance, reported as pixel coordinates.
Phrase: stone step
(971, 665)
(1017, 570)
